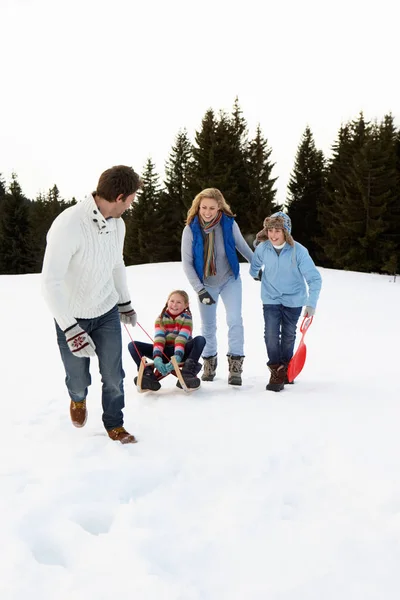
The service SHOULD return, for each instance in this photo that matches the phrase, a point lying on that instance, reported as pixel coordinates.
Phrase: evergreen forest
(345, 208)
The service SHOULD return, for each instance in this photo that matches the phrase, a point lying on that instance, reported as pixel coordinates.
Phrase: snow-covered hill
(231, 493)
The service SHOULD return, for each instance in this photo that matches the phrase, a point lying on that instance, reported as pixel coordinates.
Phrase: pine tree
(177, 171)
(359, 195)
(220, 159)
(261, 183)
(389, 139)
(43, 211)
(307, 192)
(203, 173)
(144, 238)
(239, 196)
(2, 188)
(2, 193)
(177, 198)
(15, 232)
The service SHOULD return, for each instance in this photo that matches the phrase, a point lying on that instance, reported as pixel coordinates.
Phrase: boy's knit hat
(278, 220)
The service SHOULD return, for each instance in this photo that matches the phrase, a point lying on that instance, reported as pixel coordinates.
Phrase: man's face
(120, 206)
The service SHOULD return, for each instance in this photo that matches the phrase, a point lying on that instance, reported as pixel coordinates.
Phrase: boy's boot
(149, 380)
(209, 368)
(235, 369)
(276, 381)
(189, 374)
(285, 379)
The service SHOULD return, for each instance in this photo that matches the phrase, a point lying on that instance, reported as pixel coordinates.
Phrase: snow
(231, 492)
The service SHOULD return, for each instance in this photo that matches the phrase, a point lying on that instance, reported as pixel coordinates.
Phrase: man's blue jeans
(231, 295)
(105, 331)
(280, 332)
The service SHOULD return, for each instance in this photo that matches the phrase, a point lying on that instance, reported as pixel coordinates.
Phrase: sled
(177, 372)
(299, 358)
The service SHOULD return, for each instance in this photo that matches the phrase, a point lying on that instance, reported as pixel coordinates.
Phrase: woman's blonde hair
(182, 293)
(214, 194)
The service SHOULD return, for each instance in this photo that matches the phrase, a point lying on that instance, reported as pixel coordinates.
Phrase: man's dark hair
(118, 180)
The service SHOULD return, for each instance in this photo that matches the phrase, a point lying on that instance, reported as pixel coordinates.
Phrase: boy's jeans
(231, 295)
(280, 332)
(105, 331)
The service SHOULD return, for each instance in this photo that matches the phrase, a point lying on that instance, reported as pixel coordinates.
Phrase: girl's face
(276, 236)
(208, 209)
(176, 304)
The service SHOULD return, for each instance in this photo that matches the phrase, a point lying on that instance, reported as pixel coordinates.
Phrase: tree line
(344, 208)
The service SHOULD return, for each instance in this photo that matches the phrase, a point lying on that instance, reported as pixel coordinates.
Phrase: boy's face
(276, 236)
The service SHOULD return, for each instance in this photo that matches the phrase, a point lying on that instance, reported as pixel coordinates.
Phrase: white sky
(231, 493)
(87, 83)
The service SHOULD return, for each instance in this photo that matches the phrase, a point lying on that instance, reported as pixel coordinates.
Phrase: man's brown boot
(78, 413)
(276, 381)
(119, 434)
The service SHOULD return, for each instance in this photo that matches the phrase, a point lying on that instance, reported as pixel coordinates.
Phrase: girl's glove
(79, 342)
(127, 314)
(169, 367)
(179, 357)
(309, 311)
(161, 366)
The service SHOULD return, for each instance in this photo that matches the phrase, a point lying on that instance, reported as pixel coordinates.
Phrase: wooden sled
(177, 372)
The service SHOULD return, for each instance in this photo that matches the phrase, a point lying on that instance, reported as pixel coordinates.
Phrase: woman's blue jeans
(105, 331)
(231, 296)
(280, 332)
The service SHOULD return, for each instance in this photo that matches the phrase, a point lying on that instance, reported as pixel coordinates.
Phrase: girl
(287, 266)
(209, 243)
(173, 331)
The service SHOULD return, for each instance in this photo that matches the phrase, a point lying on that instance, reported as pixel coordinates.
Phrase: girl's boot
(189, 374)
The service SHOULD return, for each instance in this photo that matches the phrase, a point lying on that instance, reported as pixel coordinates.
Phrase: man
(84, 284)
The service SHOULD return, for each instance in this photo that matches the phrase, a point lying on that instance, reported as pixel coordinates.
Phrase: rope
(142, 358)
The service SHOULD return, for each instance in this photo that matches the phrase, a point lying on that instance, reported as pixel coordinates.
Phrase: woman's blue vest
(229, 243)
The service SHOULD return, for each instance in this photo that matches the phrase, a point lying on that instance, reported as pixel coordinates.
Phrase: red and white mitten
(80, 343)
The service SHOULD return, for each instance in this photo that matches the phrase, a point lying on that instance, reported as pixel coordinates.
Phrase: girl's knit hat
(278, 220)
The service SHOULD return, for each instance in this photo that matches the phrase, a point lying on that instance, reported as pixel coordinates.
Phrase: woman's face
(176, 304)
(208, 209)
(276, 236)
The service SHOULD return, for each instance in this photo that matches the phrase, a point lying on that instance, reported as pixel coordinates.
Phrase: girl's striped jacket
(172, 332)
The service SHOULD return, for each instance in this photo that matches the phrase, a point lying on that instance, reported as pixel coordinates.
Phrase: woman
(209, 243)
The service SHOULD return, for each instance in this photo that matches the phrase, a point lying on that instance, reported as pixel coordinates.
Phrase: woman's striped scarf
(209, 252)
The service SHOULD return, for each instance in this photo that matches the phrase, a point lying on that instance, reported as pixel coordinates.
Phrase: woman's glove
(205, 297)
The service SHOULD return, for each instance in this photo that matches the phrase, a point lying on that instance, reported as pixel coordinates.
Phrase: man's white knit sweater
(83, 272)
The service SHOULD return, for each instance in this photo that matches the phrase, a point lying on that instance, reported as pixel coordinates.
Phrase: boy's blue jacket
(284, 275)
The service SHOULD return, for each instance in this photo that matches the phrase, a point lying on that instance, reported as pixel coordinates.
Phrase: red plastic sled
(299, 358)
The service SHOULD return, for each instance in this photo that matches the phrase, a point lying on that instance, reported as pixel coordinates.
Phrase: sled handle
(305, 324)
